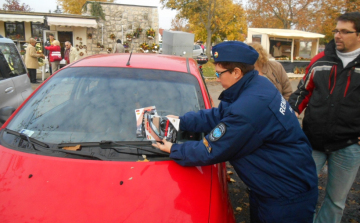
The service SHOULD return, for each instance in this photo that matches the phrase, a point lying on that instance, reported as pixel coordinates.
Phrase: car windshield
(97, 103)
(10, 61)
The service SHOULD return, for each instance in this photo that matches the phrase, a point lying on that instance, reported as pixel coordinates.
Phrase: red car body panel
(37, 188)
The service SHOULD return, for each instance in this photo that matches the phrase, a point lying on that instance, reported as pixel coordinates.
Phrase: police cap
(234, 51)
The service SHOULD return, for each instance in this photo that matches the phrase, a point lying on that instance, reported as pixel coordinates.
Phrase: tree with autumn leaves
(211, 19)
(75, 6)
(308, 15)
(14, 5)
(180, 24)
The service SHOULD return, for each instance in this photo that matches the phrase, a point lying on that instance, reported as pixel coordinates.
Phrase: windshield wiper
(30, 140)
(138, 145)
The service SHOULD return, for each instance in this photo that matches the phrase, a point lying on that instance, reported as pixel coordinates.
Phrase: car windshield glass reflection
(94, 104)
(10, 61)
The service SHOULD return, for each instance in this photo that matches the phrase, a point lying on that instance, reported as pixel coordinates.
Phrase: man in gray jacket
(70, 54)
(119, 48)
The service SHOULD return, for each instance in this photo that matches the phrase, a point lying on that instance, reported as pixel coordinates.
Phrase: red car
(69, 153)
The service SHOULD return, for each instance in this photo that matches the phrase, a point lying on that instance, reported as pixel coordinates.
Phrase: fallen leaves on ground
(72, 148)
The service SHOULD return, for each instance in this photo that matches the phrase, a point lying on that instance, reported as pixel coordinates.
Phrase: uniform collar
(233, 92)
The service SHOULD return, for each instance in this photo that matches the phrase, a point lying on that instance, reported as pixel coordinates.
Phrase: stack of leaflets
(153, 127)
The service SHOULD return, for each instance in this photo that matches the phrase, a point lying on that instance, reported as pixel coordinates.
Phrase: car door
(15, 86)
(7, 88)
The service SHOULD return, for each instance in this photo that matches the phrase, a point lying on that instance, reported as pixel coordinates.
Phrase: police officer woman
(257, 131)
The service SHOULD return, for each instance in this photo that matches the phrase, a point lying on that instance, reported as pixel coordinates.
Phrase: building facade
(21, 26)
(88, 34)
(122, 20)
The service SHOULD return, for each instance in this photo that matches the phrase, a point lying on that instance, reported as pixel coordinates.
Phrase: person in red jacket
(54, 55)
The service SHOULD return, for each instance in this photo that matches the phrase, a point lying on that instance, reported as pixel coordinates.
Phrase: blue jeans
(343, 166)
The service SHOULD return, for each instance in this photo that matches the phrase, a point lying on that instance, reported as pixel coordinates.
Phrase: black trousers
(32, 74)
(297, 209)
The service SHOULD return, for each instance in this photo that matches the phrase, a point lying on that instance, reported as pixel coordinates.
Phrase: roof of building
(112, 3)
(46, 14)
(285, 33)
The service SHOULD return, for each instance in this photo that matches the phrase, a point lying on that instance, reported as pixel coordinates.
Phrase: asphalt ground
(237, 189)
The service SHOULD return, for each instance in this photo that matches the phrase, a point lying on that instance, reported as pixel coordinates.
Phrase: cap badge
(216, 54)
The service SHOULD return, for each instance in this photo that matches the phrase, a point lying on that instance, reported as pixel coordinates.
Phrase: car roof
(138, 60)
(5, 40)
(145, 61)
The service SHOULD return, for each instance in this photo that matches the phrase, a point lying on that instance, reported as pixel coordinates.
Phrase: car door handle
(9, 90)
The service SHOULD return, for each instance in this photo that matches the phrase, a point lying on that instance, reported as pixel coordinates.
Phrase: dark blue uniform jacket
(257, 131)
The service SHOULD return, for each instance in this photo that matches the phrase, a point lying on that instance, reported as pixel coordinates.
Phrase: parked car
(197, 50)
(15, 84)
(69, 153)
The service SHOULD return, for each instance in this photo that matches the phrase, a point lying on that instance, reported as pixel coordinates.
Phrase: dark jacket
(257, 131)
(331, 95)
(47, 43)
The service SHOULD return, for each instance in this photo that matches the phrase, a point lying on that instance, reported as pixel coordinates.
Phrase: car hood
(36, 188)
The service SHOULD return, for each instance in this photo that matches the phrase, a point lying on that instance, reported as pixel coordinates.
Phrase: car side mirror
(5, 113)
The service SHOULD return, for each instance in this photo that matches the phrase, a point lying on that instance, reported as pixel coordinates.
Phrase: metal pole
(292, 51)
(102, 34)
(316, 48)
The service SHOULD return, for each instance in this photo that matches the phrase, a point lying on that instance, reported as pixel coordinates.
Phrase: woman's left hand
(164, 146)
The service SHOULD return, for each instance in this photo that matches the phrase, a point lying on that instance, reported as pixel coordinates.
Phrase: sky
(165, 15)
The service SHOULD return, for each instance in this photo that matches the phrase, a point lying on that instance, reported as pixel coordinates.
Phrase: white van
(15, 84)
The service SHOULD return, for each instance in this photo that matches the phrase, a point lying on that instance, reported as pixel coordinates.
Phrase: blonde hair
(263, 55)
(32, 40)
(56, 43)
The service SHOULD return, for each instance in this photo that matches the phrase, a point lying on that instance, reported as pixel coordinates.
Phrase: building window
(256, 39)
(15, 30)
(37, 30)
(305, 49)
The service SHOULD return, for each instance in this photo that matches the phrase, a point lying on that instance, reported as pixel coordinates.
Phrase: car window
(196, 47)
(94, 104)
(10, 61)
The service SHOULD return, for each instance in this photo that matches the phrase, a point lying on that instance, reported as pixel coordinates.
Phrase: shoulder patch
(217, 132)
